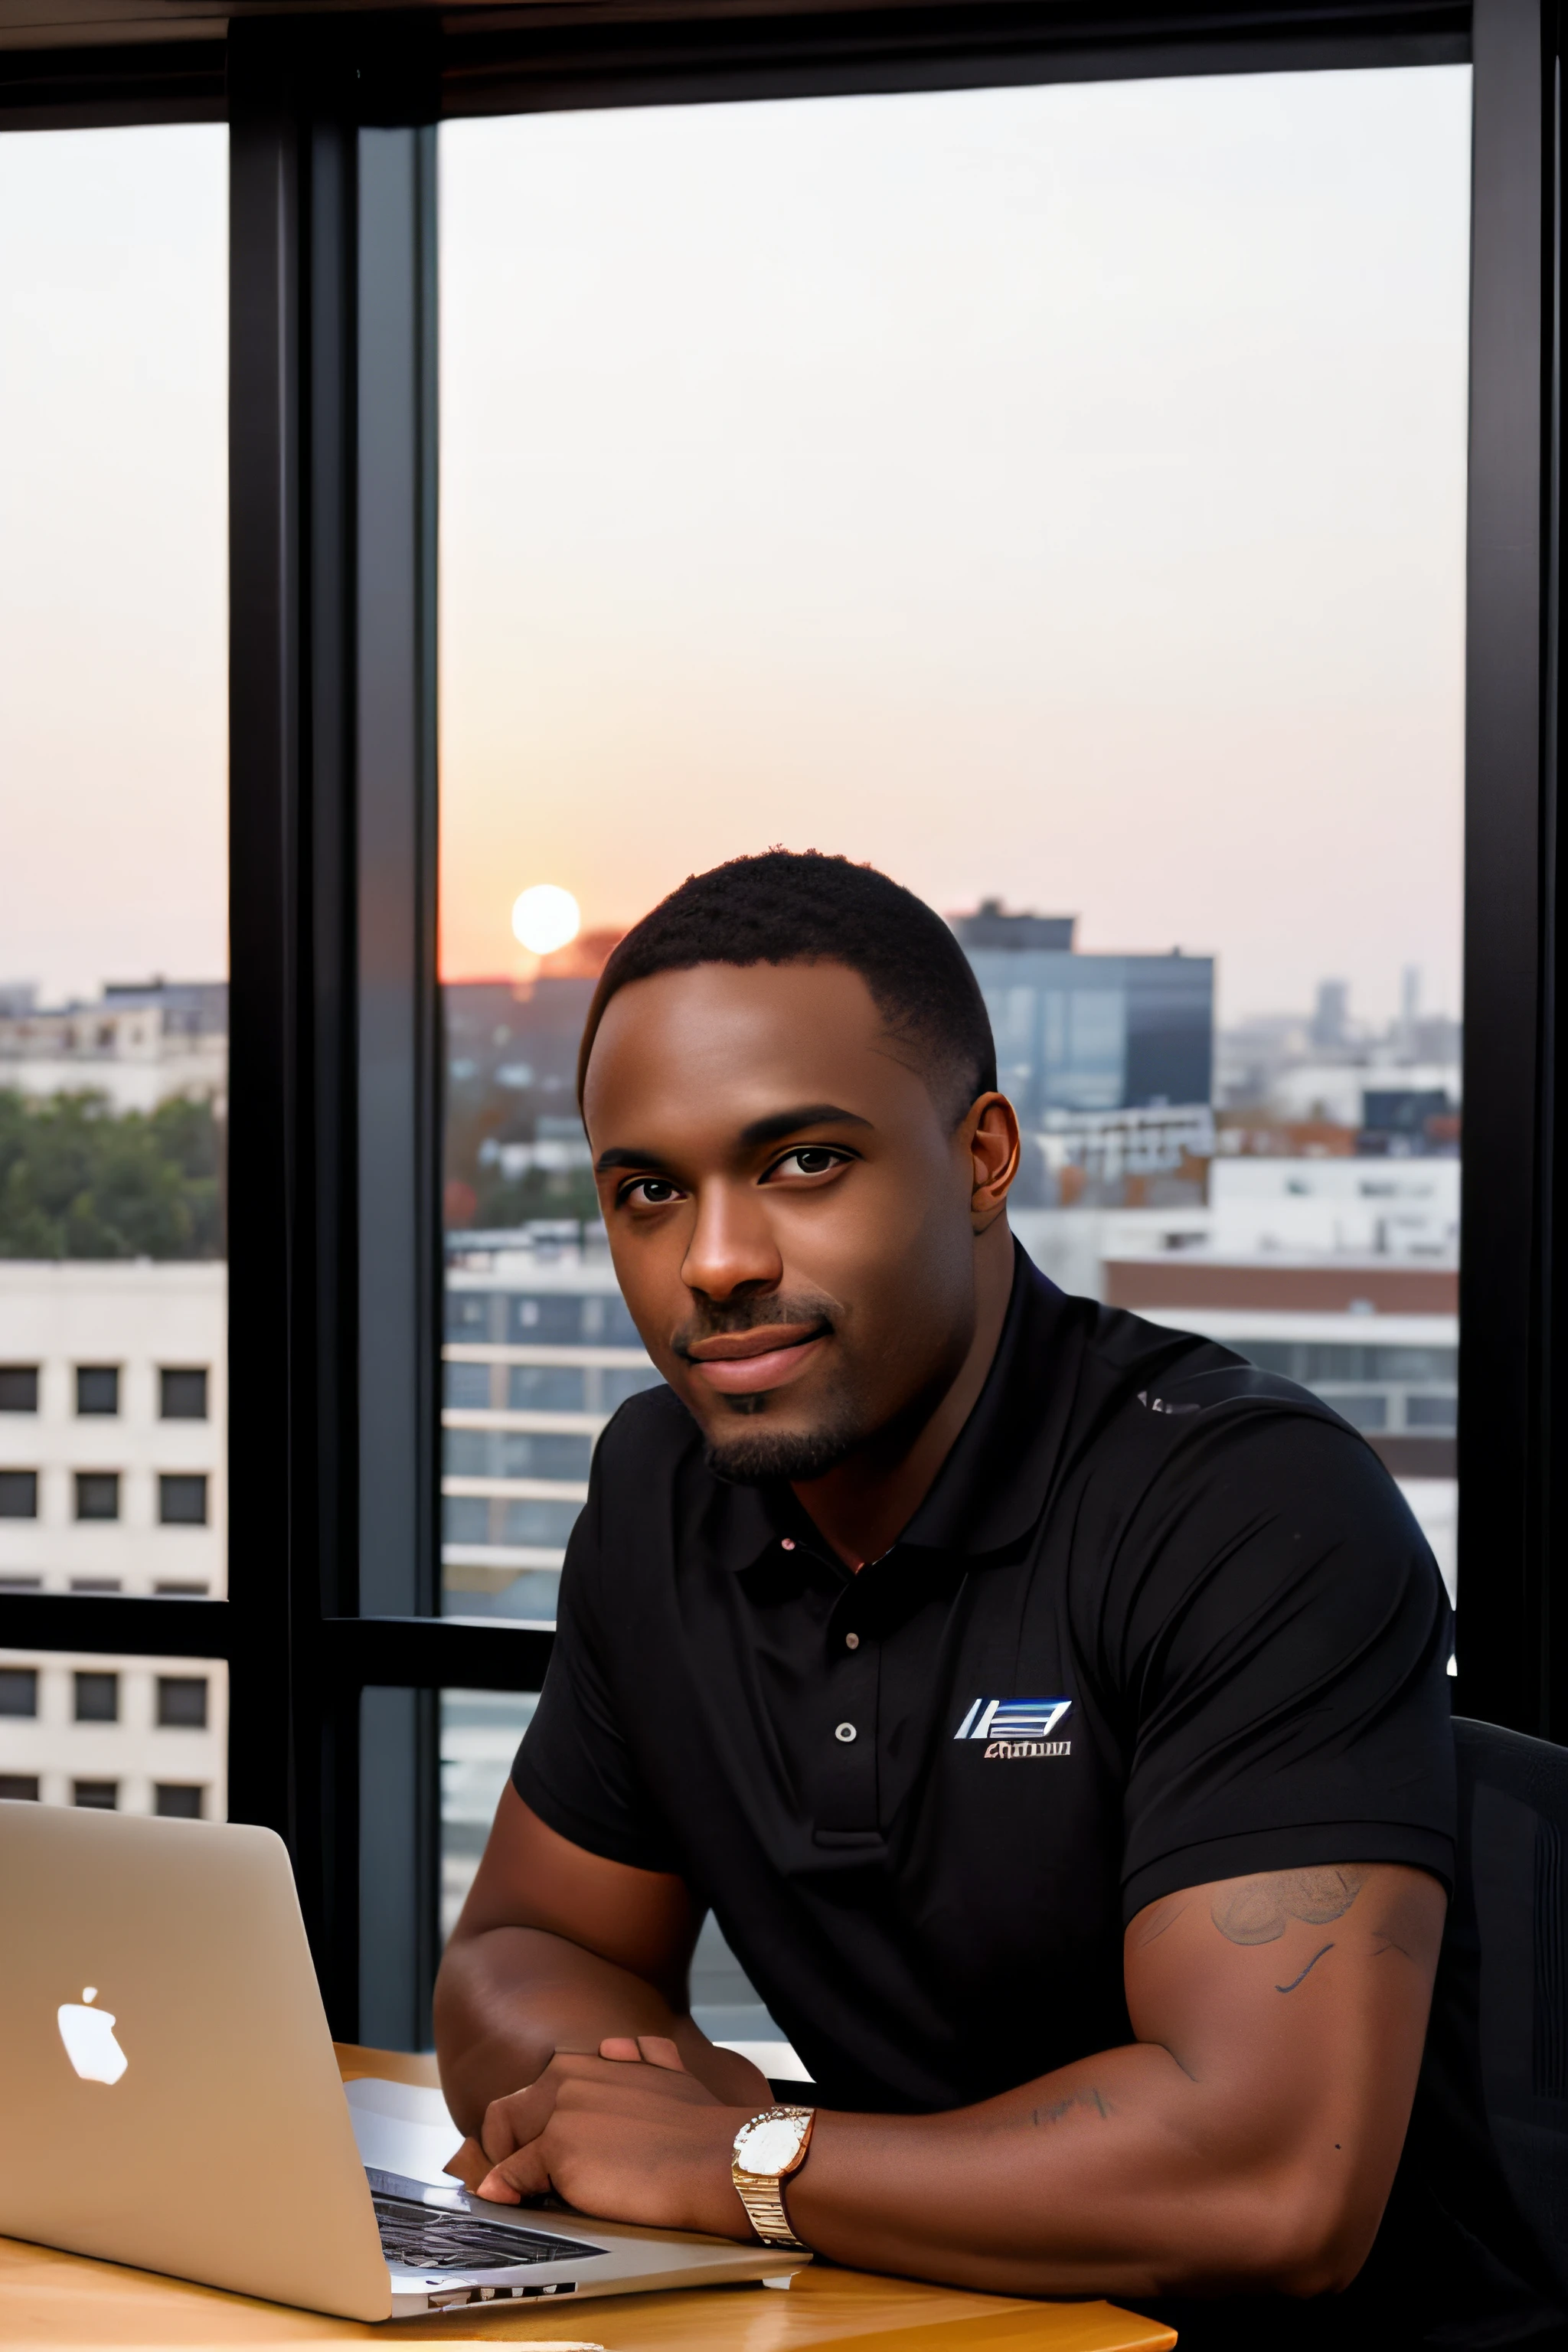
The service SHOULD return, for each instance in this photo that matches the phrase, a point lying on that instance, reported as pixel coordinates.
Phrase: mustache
(801, 1313)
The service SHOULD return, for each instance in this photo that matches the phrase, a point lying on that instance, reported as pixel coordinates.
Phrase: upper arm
(1299, 1999)
(528, 1876)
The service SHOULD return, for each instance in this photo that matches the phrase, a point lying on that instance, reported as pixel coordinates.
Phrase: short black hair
(804, 907)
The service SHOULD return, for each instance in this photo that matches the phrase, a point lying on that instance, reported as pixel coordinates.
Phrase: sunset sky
(1056, 493)
(1051, 493)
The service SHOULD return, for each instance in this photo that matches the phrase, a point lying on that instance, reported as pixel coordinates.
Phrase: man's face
(789, 1211)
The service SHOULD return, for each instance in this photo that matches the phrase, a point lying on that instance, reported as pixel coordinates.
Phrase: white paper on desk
(403, 2127)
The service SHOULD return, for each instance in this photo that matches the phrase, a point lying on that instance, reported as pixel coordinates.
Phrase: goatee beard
(764, 1456)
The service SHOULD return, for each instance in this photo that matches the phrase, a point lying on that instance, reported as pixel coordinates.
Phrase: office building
(539, 1351)
(113, 1481)
(1088, 1033)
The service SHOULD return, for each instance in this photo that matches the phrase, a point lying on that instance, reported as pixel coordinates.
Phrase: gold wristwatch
(767, 2150)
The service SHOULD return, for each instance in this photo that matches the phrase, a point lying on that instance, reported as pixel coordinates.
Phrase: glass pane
(129, 1735)
(113, 914)
(1054, 496)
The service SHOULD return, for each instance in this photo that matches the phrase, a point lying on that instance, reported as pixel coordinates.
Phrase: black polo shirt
(1163, 1619)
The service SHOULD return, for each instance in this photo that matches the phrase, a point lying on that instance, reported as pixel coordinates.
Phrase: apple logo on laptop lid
(89, 2036)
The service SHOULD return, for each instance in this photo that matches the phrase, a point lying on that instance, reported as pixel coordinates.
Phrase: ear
(990, 1139)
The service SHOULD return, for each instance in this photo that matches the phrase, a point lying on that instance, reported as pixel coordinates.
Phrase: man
(1051, 1708)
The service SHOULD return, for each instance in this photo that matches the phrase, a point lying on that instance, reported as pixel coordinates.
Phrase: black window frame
(334, 1652)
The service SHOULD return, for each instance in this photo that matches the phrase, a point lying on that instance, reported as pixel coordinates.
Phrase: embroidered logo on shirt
(1016, 1728)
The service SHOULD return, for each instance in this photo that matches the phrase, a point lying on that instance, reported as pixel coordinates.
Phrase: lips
(769, 1356)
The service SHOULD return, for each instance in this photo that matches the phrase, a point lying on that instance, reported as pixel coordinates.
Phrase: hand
(629, 2135)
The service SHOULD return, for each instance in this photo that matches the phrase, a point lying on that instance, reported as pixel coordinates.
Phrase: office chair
(1509, 1921)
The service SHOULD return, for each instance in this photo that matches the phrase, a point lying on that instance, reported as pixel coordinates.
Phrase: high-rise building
(113, 1479)
(1080, 1032)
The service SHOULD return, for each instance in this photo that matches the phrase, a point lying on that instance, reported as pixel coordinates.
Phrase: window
(97, 1494)
(182, 1395)
(183, 1702)
(18, 1691)
(712, 588)
(182, 1501)
(96, 1387)
(929, 502)
(97, 1698)
(178, 1801)
(114, 913)
(19, 1787)
(18, 1494)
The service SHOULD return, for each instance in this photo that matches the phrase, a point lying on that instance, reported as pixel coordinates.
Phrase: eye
(648, 1192)
(809, 1160)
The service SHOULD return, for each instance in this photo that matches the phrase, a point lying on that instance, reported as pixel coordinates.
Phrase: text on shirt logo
(1013, 1729)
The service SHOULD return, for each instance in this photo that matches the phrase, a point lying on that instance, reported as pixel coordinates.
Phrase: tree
(78, 1182)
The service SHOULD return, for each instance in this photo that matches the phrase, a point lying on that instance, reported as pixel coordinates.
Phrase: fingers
(469, 2165)
(525, 2173)
(653, 2049)
(512, 2122)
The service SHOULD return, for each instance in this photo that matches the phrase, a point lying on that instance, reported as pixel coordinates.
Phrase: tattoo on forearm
(1259, 1910)
(1306, 1971)
(1059, 2108)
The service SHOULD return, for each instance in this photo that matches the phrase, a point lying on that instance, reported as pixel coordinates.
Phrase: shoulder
(1193, 1443)
(1159, 1388)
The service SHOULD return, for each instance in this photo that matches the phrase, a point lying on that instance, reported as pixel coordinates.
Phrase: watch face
(769, 2147)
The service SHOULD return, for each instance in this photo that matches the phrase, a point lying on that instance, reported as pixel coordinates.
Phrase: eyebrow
(771, 1129)
(780, 1123)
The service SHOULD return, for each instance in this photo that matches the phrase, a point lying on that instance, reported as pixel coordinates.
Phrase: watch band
(762, 2193)
(763, 2197)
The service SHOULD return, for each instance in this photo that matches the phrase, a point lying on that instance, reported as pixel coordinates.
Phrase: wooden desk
(63, 2300)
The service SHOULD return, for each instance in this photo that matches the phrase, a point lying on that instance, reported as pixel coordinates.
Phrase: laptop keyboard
(425, 2238)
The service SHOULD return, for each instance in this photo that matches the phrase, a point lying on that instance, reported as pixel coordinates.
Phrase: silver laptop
(172, 2099)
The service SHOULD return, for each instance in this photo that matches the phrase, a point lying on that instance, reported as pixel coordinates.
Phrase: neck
(863, 1506)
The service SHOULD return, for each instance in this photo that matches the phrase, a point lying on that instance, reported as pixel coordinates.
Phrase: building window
(183, 1702)
(19, 1787)
(178, 1801)
(95, 1584)
(18, 1494)
(98, 1388)
(97, 1494)
(18, 1690)
(18, 1388)
(98, 1698)
(177, 1588)
(99, 1796)
(182, 1395)
(183, 1500)
(21, 1583)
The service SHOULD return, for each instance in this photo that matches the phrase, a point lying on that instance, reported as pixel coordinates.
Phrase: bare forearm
(505, 2001)
(1121, 2176)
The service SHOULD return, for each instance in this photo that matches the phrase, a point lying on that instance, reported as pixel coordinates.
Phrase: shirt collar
(993, 1486)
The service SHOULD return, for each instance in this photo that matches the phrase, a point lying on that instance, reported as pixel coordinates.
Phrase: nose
(732, 1249)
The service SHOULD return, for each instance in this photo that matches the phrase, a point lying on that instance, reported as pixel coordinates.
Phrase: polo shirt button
(852, 1641)
(786, 1543)
(845, 1731)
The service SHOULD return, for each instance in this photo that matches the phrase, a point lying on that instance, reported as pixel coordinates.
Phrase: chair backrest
(1513, 1872)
